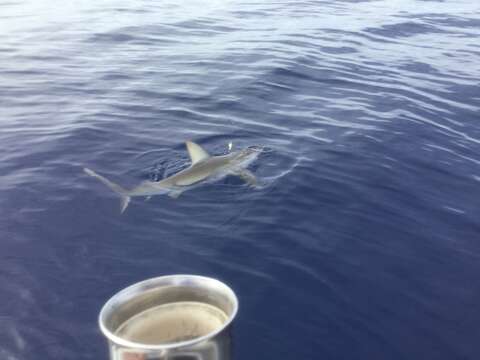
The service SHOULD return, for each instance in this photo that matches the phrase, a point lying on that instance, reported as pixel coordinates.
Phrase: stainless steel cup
(169, 299)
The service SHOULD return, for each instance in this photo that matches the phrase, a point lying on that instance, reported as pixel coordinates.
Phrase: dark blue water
(363, 240)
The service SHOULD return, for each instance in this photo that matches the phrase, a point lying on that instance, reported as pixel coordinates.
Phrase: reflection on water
(363, 235)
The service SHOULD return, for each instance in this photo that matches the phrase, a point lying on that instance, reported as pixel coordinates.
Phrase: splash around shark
(203, 167)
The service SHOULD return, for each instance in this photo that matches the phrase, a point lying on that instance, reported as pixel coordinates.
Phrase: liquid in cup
(172, 323)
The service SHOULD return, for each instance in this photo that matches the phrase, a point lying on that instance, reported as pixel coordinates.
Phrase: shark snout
(255, 149)
(251, 151)
(246, 156)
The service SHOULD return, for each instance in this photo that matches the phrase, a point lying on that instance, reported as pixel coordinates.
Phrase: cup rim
(132, 344)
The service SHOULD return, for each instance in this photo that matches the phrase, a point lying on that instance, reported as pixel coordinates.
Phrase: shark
(203, 167)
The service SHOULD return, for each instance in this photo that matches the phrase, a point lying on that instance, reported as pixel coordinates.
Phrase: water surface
(361, 243)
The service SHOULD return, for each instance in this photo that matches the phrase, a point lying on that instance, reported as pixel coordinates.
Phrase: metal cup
(174, 317)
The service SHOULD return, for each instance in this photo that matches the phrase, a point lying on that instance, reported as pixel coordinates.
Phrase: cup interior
(168, 311)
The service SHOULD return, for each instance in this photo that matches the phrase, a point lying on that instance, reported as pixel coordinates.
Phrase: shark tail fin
(123, 193)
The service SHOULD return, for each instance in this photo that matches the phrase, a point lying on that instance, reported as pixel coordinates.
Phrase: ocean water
(362, 241)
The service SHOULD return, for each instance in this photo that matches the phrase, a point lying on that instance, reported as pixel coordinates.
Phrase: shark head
(245, 156)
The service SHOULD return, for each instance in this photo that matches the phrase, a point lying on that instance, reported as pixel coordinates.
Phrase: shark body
(203, 167)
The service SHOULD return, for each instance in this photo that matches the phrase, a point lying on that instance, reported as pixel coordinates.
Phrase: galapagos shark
(203, 167)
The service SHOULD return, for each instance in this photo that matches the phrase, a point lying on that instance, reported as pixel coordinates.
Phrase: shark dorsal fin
(196, 152)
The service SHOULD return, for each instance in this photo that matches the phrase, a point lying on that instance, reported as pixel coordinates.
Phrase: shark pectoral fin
(247, 176)
(174, 194)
